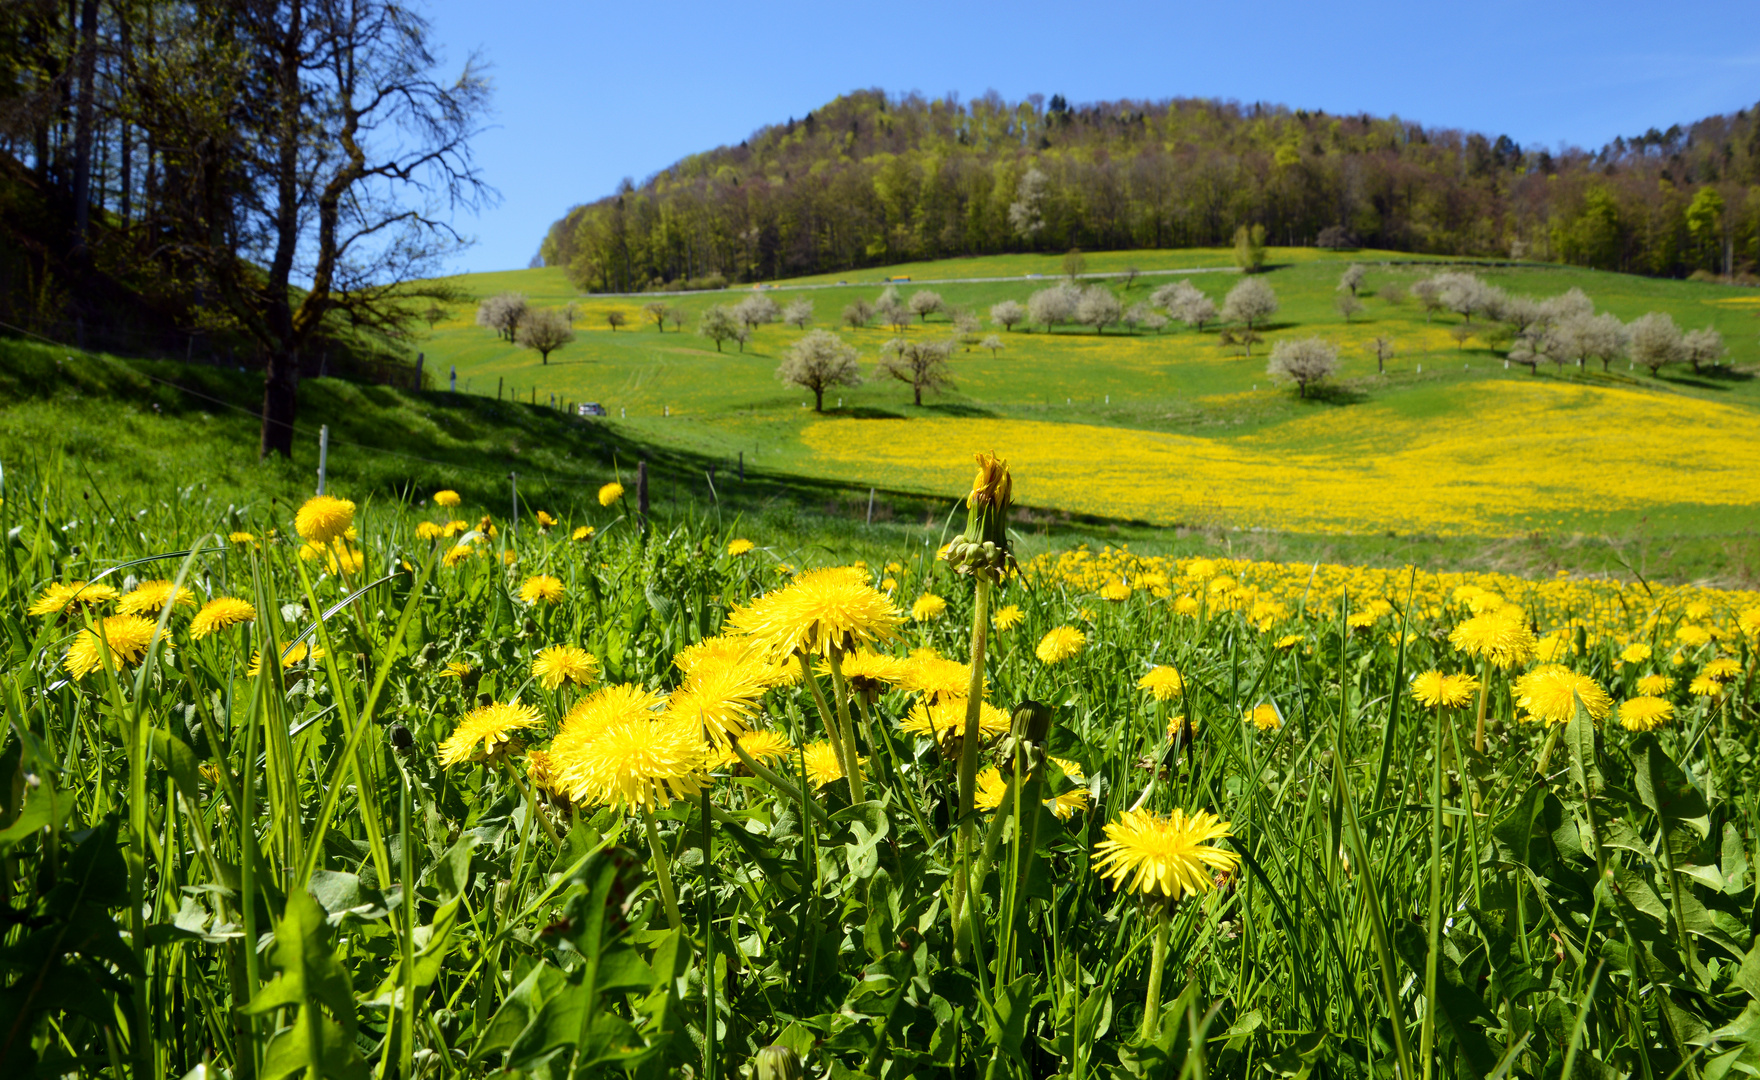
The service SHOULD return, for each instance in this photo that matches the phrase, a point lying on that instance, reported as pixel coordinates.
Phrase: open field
(1172, 428)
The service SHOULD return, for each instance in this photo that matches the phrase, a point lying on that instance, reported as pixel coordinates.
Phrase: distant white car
(590, 408)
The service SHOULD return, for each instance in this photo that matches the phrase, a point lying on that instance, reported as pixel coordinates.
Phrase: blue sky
(586, 94)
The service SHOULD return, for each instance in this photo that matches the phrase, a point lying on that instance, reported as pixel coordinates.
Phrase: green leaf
(1461, 1013)
(308, 970)
(1579, 743)
(44, 808)
(1665, 789)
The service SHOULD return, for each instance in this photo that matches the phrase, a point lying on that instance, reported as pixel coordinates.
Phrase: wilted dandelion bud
(776, 1062)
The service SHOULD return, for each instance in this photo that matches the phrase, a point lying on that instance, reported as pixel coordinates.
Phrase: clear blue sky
(586, 94)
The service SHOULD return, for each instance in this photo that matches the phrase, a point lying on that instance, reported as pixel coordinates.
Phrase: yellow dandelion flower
(604, 708)
(1265, 717)
(928, 606)
(482, 732)
(1187, 605)
(1654, 685)
(1007, 618)
(869, 671)
(456, 669)
(1549, 695)
(637, 765)
(1069, 804)
(453, 528)
(447, 498)
(819, 611)
(946, 719)
(739, 546)
(342, 559)
(935, 676)
(541, 588)
(822, 764)
(456, 554)
(1748, 622)
(126, 635)
(152, 597)
(1072, 769)
(1498, 636)
(1060, 644)
(889, 585)
(610, 493)
(1171, 856)
(241, 537)
(1115, 591)
(1552, 648)
(720, 698)
(289, 657)
(1644, 713)
(1692, 636)
(428, 530)
(1433, 688)
(560, 664)
(1723, 669)
(1164, 682)
(323, 518)
(545, 521)
(585, 532)
(1635, 653)
(761, 745)
(990, 788)
(1704, 686)
(59, 597)
(541, 770)
(1287, 641)
(711, 650)
(218, 614)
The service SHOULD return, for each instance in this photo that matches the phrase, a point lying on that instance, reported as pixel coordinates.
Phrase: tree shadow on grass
(868, 412)
(1718, 378)
(959, 409)
(1329, 394)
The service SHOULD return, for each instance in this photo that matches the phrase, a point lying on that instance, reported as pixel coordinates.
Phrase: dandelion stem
(1428, 1038)
(1157, 965)
(847, 726)
(531, 803)
(968, 755)
(662, 873)
(845, 752)
(1484, 696)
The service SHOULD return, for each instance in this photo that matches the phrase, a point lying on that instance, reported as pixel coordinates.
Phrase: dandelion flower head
(152, 597)
(822, 764)
(447, 497)
(559, 664)
(1007, 618)
(323, 518)
(720, 698)
(935, 676)
(1499, 636)
(1654, 685)
(1644, 713)
(1635, 653)
(610, 493)
(636, 764)
(761, 745)
(1723, 669)
(817, 612)
(946, 720)
(60, 597)
(584, 532)
(541, 589)
(928, 606)
(739, 546)
(1164, 682)
(127, 636)
(1115, 591)
(1170, 857)
(1433, 689)
(483, 731)
(1265, 717)
(1549, 695)
(218, 614)
(1060, 644)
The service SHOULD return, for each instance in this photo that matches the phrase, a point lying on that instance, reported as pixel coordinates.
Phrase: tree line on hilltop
(1559, 330)
(870, 180)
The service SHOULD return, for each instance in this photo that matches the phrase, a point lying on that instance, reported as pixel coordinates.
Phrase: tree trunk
(918, 387)
(818, 399)
(280, 404)
(82, 138)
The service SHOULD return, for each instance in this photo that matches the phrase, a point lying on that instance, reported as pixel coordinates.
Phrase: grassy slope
(1182, 384)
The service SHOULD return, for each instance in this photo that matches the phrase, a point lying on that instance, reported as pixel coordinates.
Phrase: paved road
(919, 281)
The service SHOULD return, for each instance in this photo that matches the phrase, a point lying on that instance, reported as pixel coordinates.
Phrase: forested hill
(871, 179)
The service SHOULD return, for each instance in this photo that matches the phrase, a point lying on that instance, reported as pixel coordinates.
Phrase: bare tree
(676, 314)
(1305, 362)
(818, 361)
(718, 325)
(741, 334)
(1461, 332)
(1251, 302)
(1383, 347)
(993, 343)
(330, 156)
(1053, 305)
(656, 313)
(1656, 342)
(1348, 306)
(924, 303)
(1131, 273)
(922, 364)
(1701, 347)
(544, 331)
(1352, 278)
(615, 318)
(1098, 308)
(798, 313)
(1007, 314)
(432, 315)
(858, 314)
(1075, 264)
(502, 313)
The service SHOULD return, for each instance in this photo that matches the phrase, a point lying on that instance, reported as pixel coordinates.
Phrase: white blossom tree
(544, 331)
(798, 313)
(1251, 302)
(1098, 308)
(819, 361)
(1007, 314)
(1656, 342)
(1303, 361)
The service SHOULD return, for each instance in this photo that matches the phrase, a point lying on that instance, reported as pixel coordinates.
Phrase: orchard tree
(858, 314)
(892, 310)
(432, 315)
(1305, 362)
(1701, 347)
(965, 325)
(1352, 278)
(1098, 308)
(1429, 296)
(1251, 302)
(615, 318)
(924, 303)
(1656, 342)
(1348, 306)
(544, 331)
(502, 313)
(1053, 305)
(818, 361)
(1007, 314)
(798, 313)
(1075, 264)
(718, 325)
(922, 364)
(656, 313)
(993, 343)
(1383, 348)
(755, 311)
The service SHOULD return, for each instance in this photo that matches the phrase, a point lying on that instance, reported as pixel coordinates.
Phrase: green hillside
(1563, 471)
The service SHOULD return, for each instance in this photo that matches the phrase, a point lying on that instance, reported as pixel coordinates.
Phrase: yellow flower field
(1508, 456)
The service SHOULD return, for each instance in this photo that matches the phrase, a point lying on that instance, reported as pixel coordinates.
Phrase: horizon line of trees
(871, 180)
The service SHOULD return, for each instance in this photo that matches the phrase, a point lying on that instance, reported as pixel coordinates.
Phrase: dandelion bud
(985, 544)
(777, 1062)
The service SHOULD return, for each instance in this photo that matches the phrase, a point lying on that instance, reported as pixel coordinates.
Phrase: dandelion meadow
(355, 787)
